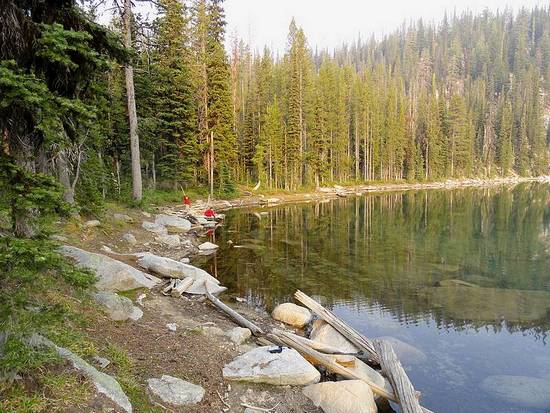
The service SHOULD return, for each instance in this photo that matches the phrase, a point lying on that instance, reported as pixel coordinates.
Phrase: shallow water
(389, 265)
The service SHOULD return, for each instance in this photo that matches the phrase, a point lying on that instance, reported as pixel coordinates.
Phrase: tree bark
(132, 115)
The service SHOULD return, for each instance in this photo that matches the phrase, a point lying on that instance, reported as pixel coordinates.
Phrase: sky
(327, 24)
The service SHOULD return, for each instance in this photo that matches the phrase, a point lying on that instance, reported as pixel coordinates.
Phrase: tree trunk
(132, 115)
(63, 169)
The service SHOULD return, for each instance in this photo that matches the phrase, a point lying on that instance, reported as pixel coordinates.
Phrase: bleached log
(348, 332)
(180, 286)
(166, 290)
(393, 370)
(323, 348)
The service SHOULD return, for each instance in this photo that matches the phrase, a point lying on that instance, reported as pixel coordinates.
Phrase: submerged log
(257, 331)
(393, 370)
(348, 332)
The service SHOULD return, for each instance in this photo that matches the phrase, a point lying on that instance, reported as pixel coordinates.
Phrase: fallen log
(320, 359)
(323, 348)
(351, 334)
(393, 370)
(257, 331)
(166, 290)
(180, 286)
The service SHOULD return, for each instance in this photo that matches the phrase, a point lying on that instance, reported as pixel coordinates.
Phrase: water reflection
(464, 275)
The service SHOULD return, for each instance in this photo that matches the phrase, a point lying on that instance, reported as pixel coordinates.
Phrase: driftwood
(323, 348)
(180, 286)
(392, 369)
(257, 331)
(331, 365)
(171, 284)
(351, 334)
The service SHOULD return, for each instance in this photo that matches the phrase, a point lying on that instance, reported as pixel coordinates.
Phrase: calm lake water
(388, 264)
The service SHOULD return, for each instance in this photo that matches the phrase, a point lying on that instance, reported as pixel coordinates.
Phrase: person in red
(209, 213)
(186, 202)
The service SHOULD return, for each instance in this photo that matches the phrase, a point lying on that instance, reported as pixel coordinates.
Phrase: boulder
(292, 314)
(113, 275)
(119, 308)
(362, 370)
(406, 353)
(122, 218)
(168, 267)
(92, 223)
(208, 246)
(155, 228)
(129, 238)
(169, 240)
(523, 391)
(326, 334)
(104, 383)
(239, 335)
(349, 396)
(272, 365)
(173, 223)
(174, 391)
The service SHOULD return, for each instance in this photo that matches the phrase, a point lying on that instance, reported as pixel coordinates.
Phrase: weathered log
(351, 334)
(257, 331)
(323, 348)
(168, 288)
(180, 286)
(393, 370)
(330, 364)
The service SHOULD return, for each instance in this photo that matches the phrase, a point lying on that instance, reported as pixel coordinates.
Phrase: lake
(462, 275)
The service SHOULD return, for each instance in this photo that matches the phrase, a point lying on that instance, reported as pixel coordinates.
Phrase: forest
(163, 104)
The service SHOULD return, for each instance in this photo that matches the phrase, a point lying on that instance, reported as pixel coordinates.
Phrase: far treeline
(466, 97)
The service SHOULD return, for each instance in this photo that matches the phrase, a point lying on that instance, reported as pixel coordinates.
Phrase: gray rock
(527, 392)
(349, 396)
(185, 260)
(173, 223)
(168, 267)
(169, 240)
(174, 391)
(208, 246)
(92, 223)
(261, 366)
(122, 218)
(239, 335)
(59, 238)
(172, 326)
(113, 275)
(326, 334)
(119, 308)
(292, 314)
(102, 362)
(104, 383)
(155, 228)
(407, 353)
(146, 214)
(129, 238)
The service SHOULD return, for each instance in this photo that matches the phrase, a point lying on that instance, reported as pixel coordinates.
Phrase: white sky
(328, 24)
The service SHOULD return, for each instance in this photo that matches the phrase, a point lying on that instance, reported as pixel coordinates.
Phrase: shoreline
(336, 190)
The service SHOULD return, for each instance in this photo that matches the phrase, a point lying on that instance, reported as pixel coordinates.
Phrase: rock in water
(119, 308)
(155, 228)
(292, 314)
(113, 275)
(173, 223)
(174, 391)
(208, 246)
(129, 238)
(326, 334)
(272, 365)
(527, 392)
(239, 335)
(406, 353)
(104, 383)
(363, 371)
(348, 396)
(169, 240)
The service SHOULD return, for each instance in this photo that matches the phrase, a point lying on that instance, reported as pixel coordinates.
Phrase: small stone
(102, 362)
(172, 326)
(122, 218)
(207, 246)
(239, 335)
(169, 240)
(185, 260)
(129, 238)
(146, 214)
(292, 314)
(92, 223)
(174, 391)
(57, 237)
(140, 299)
(348, 396)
